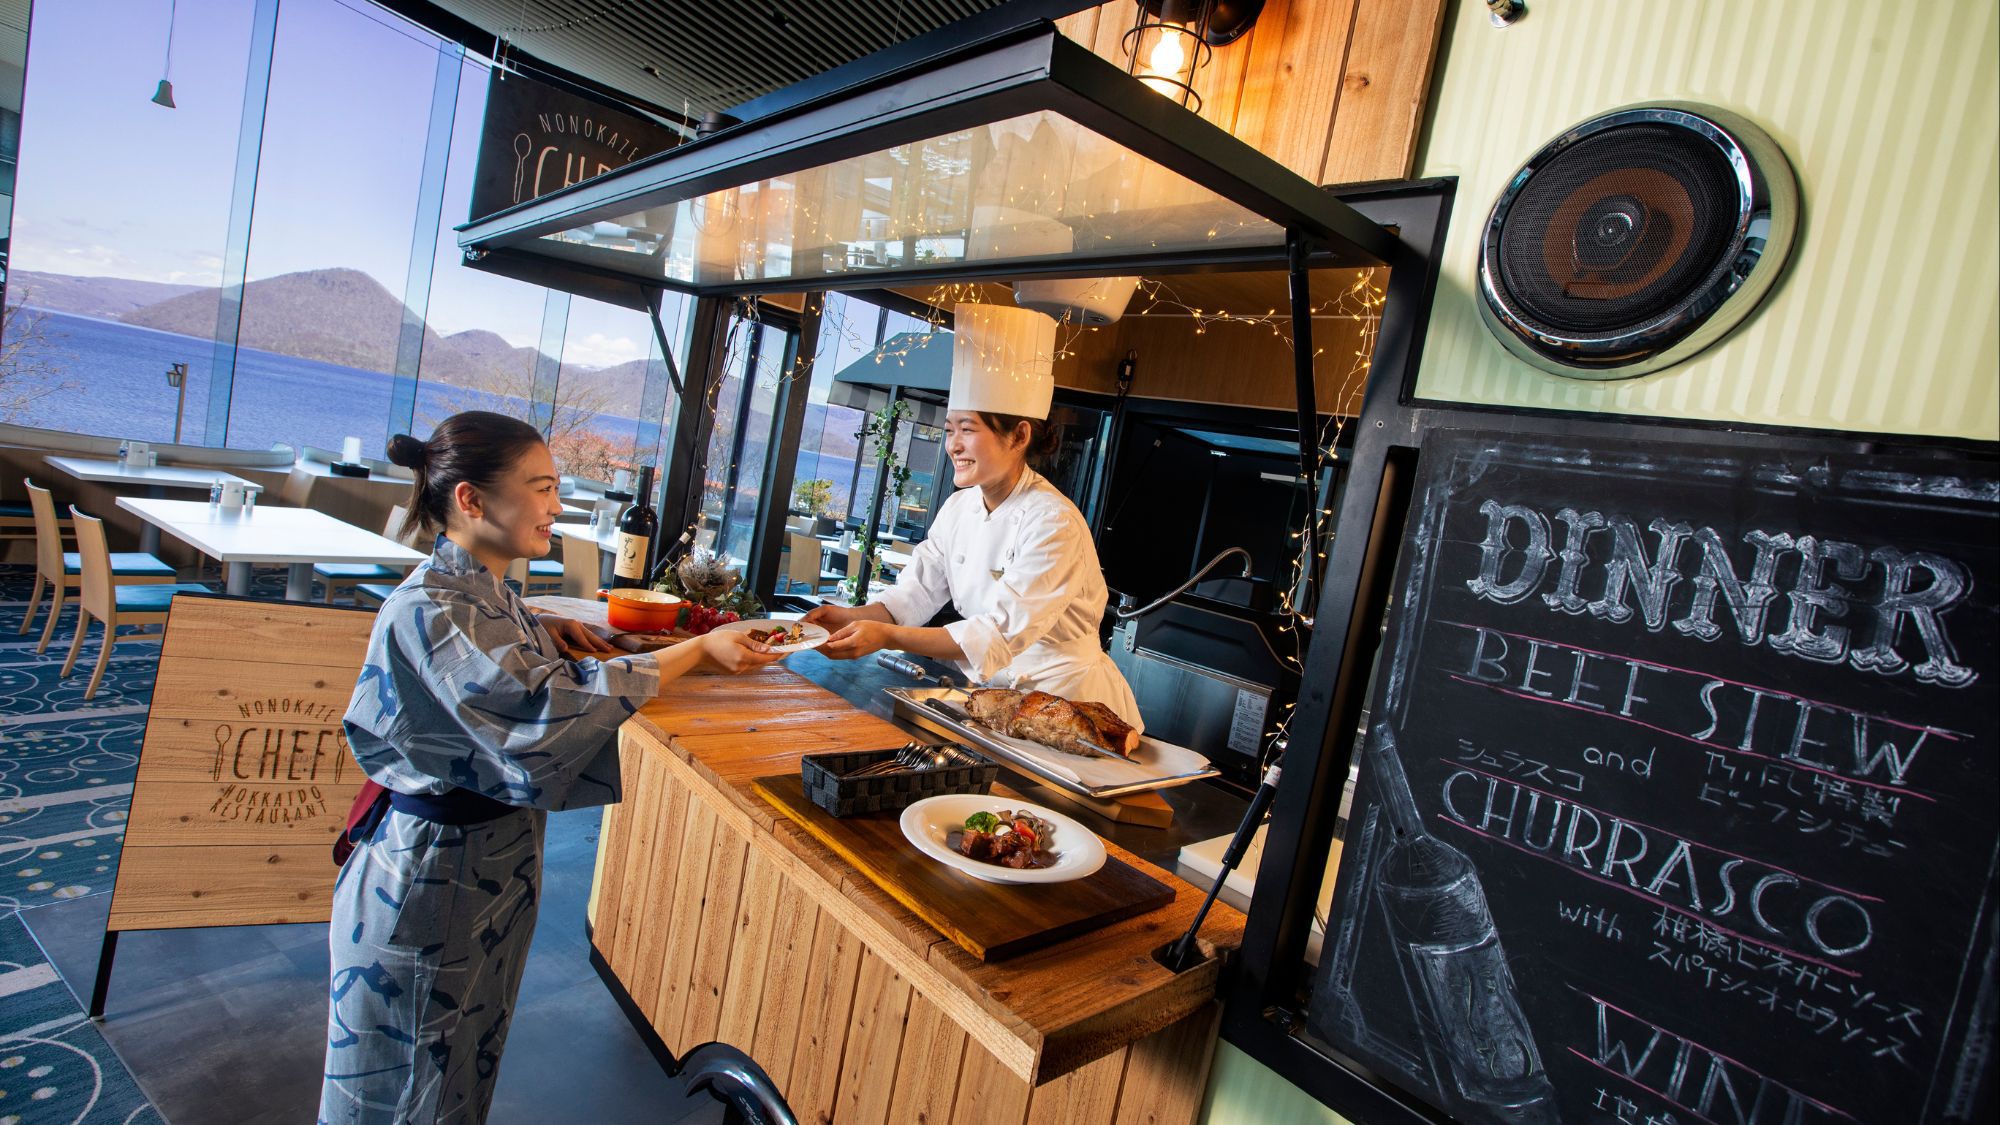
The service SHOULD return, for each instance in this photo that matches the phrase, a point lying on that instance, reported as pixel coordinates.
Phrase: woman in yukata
(471, 717)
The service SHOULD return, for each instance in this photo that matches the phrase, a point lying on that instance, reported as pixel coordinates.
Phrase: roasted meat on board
(1053, 721)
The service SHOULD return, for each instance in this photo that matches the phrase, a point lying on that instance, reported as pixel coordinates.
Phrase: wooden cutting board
(991, 921)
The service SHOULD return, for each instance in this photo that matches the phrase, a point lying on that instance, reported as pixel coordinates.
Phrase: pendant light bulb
(1168, 56)
(165, 94)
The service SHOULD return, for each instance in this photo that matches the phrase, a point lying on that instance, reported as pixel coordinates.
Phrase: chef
(1008, 551)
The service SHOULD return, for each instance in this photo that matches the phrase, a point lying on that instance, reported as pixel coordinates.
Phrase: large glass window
(828, 439)
(337, 200)
(759, 355)
(484, 332)
(609, 354)
(121, 216)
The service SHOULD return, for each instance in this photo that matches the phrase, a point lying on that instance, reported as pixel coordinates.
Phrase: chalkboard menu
(1679, 798)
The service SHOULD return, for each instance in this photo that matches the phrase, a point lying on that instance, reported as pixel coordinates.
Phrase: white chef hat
(1002, 360)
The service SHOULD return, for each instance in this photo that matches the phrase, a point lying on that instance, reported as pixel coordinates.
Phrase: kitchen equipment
(929, 824)
(1157, 765)
(991, 921)
(641, 611)
(1207, 675)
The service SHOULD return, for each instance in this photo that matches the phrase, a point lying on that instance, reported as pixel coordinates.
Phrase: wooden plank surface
(726, 871)
(781, 1009)
(874, 1042)
(164, 888)
(1166, 1073)
(822, 1031)
(750, 951)
(991, 921)
(1384, 83)
(682, 922)
(927, 1068)
(221, 628)
(176, 811)
(989, 1092)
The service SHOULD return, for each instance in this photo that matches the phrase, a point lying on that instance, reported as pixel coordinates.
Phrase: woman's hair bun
(406, 451)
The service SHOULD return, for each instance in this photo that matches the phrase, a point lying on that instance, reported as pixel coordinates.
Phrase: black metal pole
(886, 441)
(105, 955)
(1296, 254)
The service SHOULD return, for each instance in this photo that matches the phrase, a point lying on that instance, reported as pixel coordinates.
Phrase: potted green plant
(814, 497)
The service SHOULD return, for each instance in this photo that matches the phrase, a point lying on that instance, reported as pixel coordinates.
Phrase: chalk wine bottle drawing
(1462, 991)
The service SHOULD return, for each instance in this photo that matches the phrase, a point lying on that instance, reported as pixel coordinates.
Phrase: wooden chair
(62, 571)
(805, 564)
(581, 566)
(546, 576)
(340, 577)
(101, 597)
(297, 488)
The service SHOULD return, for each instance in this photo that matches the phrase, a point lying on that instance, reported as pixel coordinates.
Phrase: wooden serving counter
(718, 919)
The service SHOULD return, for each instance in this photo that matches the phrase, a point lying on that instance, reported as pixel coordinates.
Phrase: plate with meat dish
(780, 635)
(1002, 841)
(1079, 746)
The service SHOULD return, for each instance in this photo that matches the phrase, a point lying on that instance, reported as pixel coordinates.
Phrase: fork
(915, 757)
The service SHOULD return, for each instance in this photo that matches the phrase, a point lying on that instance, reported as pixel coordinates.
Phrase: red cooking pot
(641, 611)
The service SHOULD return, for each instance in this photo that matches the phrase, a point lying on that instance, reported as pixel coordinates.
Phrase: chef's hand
(575, 635)
(733, 651)
(832, 617)
(857, 639)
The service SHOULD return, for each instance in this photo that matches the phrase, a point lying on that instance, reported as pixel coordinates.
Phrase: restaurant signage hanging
(537, 138)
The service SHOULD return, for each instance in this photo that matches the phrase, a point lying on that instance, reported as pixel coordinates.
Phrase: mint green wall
(1888, 318)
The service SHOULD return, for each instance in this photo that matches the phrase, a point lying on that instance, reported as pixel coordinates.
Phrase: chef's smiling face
(978, 455)
(516, 515)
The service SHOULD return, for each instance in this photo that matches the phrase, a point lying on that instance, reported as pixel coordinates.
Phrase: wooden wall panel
(682, 923)
(780, 1011)
(869, 1062)
(1383, 84)
(928, 1066)
(729, 861)
(749, 951)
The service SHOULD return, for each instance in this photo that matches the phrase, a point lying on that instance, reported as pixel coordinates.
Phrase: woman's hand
(733, 651)
(858, 639)
(575, 635)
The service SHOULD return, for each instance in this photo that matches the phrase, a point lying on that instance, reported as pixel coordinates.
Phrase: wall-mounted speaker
(1636, 239)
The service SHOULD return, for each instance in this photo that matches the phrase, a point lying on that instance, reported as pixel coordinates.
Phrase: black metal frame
(788, 420)
(1018, 70)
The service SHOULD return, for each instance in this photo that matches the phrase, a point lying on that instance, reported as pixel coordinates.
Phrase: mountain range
(339, 316)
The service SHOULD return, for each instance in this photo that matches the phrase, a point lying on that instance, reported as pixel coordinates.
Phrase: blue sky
(111, 184)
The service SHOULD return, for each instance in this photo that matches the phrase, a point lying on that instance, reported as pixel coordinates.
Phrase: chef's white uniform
(1025, 578)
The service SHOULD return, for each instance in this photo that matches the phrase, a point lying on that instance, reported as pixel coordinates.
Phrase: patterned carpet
(54, 1066)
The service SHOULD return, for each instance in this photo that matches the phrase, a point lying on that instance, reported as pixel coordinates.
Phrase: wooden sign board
(1678, 799)
(245, 776)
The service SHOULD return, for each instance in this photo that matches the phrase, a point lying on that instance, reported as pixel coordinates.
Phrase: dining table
(295, 538)
(150, 480)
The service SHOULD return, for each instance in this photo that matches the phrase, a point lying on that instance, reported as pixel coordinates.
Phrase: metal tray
(1157, 765)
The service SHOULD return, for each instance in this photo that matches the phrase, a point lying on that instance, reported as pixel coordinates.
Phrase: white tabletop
(155, 476)
(268, 534)
(606, 538)
(375, 476)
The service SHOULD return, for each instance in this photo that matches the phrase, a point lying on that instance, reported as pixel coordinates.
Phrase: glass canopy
(1033, 188)
(1015, 155)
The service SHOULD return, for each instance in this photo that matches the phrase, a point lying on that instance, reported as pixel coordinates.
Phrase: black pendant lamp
(165, 94)
(1171, 40)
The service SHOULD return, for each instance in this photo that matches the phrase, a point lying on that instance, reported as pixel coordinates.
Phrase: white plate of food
(955, 829)
(780, 634)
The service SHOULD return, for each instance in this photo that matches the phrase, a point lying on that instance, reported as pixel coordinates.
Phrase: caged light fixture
(1171, 40)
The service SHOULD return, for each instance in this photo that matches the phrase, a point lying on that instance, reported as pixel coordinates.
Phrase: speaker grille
(1618, 228)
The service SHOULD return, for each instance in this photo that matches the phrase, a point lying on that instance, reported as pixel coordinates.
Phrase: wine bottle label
(631, 556)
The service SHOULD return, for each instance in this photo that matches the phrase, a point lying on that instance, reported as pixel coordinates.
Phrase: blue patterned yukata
(461, 688)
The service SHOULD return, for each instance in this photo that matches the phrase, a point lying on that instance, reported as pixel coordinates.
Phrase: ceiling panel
(694, 58)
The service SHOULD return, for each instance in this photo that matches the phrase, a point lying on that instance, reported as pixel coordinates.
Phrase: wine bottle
(636, 529)
(1470, 1018)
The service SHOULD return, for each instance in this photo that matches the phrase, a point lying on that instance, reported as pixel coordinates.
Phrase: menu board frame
(1265, 1001)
